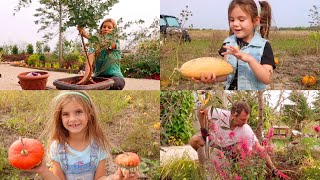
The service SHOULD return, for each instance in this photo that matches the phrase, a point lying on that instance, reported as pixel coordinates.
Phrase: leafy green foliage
(39, 47)
(33, 59)
(30, 49)
(14, 49)
(144, 62)
(175, 111)
(87, 13)
(46, 48)
(295, 114)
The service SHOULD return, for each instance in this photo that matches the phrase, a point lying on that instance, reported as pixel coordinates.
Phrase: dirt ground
(290, 71)
(9, 79)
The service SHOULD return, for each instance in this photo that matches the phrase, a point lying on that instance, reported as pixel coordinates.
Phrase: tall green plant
(296, 114)
(14, 49)
(175, 117)
(30, 49)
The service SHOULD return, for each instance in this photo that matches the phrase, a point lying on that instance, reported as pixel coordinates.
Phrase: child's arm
(46, 174)
(262, 72)
(101, 170)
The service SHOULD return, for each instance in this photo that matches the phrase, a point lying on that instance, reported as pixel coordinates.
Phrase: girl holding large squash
(77, 143)
(246, 50)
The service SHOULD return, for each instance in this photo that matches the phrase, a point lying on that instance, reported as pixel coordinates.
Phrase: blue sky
(212, 14)
(21, 29)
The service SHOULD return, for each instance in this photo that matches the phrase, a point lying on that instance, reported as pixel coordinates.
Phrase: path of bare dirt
(9, 79)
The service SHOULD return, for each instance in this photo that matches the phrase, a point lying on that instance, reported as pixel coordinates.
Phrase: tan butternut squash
(205, 65)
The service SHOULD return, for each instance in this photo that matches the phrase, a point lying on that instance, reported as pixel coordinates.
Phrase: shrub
(15, 49)
(144, 62)
(71, 58)
(176, 122)
(33, 59)
(30, 49)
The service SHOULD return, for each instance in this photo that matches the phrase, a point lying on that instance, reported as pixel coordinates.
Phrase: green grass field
(298, 53)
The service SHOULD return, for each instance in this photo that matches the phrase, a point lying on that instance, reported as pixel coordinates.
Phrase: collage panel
(240, 134)
(79, 134)
(80, 45)
(240, 45)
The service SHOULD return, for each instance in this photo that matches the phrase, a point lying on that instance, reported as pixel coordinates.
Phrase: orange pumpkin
(25, 153)
(113, 46)
(309, 80)
(276, 60)
(128, 161)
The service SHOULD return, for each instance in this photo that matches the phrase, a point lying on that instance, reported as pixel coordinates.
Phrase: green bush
(144, 62)
(33, 59)
(71, 59)
(30, 49)
(15, 49)
(176, 122)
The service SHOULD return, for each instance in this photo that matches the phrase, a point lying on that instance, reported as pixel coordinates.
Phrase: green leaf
(224, 128)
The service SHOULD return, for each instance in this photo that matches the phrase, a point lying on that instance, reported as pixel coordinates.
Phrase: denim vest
(246, 78)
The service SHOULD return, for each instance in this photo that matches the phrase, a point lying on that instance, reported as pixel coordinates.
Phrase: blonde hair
(250, 7)
(112, 21)
(56, 130)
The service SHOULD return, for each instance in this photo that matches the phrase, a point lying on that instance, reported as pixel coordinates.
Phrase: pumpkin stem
(24, 152)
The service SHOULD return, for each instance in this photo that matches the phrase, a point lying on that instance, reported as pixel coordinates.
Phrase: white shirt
(221, 133)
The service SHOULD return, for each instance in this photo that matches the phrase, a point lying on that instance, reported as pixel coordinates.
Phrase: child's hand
(210, 78)
(40, 168)
(237, 53)
(118, 176)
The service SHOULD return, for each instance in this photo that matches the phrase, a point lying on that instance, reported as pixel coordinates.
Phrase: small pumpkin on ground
(205, 65)
(128, 161)
(276, 60)
(309, 80)
(25, 153)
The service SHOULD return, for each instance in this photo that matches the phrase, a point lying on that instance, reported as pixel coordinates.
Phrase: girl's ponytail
(265, 19)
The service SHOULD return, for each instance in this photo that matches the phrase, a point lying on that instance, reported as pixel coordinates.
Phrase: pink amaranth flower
(231, 134)
(212, 127)
(244, 144)
(281, 175)
(317, 129)
(270, 133)
(238, 177)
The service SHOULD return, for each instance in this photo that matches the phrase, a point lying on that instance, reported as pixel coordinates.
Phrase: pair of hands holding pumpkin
(45, 173)
(231, 50)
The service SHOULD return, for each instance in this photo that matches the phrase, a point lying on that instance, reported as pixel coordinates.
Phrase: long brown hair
(250, 7)
(57, 132)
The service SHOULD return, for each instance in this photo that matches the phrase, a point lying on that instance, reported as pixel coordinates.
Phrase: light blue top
(246, 78)
(77, 165)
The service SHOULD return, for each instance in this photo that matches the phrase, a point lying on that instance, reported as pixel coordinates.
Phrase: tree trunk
(260, 118)
(60, 35)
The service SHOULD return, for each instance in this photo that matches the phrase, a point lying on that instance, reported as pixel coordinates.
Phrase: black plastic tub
(70, 83)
